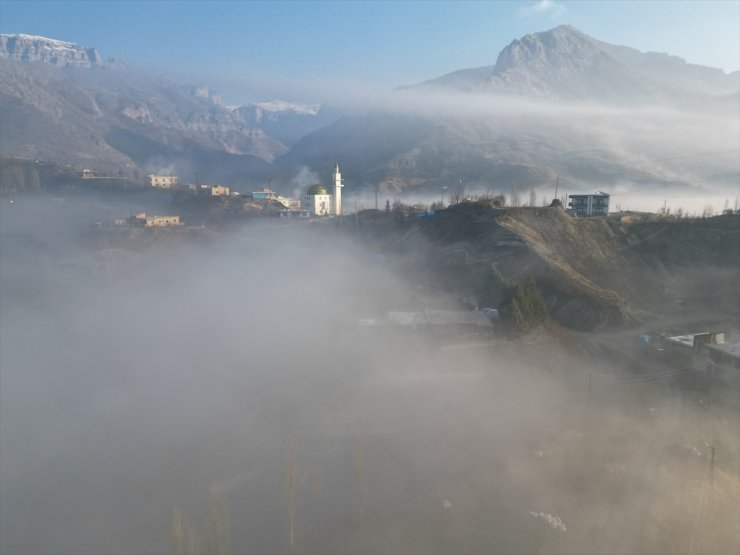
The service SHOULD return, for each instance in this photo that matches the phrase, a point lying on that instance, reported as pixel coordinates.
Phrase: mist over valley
(493, 311)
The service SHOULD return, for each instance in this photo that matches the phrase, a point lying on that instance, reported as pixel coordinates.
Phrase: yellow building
(156, 221)
(163, 181)
(214, 190)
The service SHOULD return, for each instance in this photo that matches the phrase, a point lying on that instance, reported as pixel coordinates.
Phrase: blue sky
(253, 50)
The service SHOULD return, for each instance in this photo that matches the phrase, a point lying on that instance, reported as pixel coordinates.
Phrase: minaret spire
(337, 190)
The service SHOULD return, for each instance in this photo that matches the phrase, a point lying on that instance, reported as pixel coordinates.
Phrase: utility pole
(292, 479)
(711, 422)
(557, 182)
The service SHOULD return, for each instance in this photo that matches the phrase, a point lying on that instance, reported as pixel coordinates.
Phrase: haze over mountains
(556, 103)
(565, 64)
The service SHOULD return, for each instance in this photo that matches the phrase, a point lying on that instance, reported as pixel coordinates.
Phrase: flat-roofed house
(595, 204)
(163, 181)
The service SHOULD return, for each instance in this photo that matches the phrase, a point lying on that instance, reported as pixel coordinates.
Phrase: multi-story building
(595, 204)
(163, 181)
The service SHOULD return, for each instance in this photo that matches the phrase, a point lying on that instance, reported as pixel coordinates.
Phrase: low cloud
(548, 8)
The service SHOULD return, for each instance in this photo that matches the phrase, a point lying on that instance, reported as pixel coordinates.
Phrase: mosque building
(318, 202)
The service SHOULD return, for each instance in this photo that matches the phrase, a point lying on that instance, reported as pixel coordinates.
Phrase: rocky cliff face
(286, 121)
(29, 48)
(566, 64)
(62, 103)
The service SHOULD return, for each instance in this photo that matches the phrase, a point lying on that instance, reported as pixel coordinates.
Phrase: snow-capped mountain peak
(32, 48)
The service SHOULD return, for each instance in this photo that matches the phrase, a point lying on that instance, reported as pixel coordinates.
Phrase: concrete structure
(264, 194)
(697, 340)
(439, 322)
(292, 204)
(337, 178)
(298, 213)
(596, 204)
(726, 356)
(319, 202)
(163, 181)
(214, 190)
(142, 219)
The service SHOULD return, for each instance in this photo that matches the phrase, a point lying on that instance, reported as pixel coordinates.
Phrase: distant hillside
(566, 64)
(286, 121)
(62, 103)
(556, 103)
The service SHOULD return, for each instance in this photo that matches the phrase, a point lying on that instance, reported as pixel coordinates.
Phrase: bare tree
(217, 524)
(183, 537)
(458, 195)
(515, 196)
(707, 212)
(532, 198)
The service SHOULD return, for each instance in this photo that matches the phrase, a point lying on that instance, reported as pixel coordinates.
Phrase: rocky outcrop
(29, 48)
(62, 103)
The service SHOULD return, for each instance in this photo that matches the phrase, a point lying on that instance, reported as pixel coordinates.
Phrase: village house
(143, 220)
(163, 181)
(595, 204)
(214, 190)
(264, 194)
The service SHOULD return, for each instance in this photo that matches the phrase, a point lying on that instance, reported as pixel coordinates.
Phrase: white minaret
(337, 191)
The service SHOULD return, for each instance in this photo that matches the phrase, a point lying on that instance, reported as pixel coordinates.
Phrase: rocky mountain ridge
(564, 63)
(60, 102)
(63, 103)
(556, 104)
(31, 48)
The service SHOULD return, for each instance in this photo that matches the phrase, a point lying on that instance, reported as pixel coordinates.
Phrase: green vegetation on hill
(593, 273)
(522, 307)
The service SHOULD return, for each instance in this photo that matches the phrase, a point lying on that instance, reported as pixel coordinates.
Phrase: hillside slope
(594, 273)
(61, 103)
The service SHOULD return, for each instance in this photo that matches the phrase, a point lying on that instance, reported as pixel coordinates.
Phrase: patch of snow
(553, 522)
(283, 106)
(55, 42)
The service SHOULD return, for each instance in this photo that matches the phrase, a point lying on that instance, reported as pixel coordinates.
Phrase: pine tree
(537, 304)
(518, 322)
(524, 304)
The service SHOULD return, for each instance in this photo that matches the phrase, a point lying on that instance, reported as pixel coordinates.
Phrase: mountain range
(555, 103)
(565, 64)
